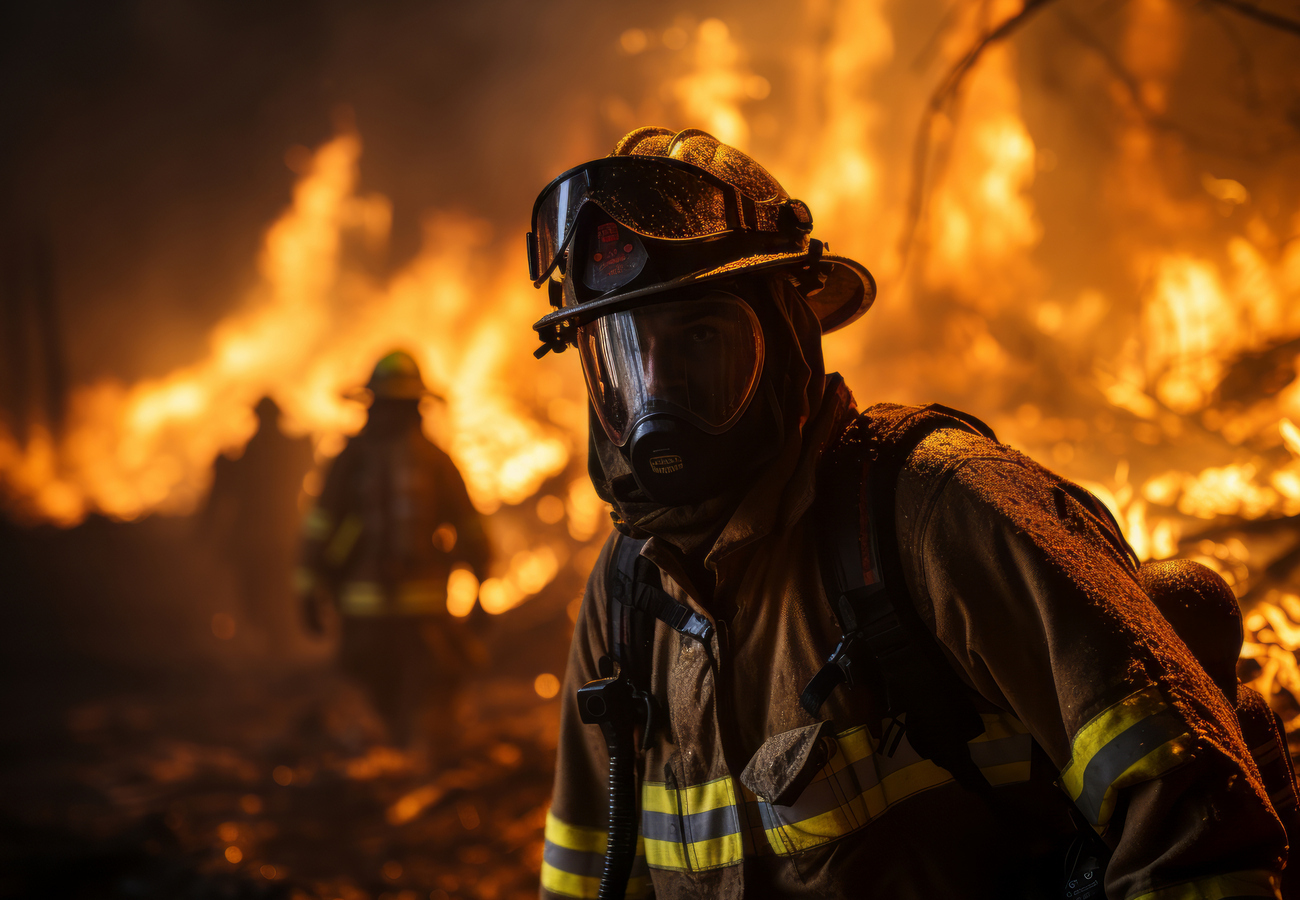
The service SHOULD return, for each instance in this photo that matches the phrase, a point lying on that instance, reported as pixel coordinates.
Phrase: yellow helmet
(397, 377)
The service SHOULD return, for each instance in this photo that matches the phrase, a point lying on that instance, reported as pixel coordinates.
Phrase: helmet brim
(847, 293)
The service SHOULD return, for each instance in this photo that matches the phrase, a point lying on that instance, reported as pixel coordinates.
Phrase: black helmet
(665, 211)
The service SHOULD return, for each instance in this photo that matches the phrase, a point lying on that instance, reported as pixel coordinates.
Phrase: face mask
(676, 387)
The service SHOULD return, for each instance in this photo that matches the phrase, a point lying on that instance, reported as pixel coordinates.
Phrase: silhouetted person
(251, 518)
(392, 522)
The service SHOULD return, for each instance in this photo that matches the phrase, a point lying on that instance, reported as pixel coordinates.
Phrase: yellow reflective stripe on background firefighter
(317, 524)
(340, 546)
(1219, 887)
(574, 857)
(691, 828)
(362, 598)
(1136, 740)
(858, 784)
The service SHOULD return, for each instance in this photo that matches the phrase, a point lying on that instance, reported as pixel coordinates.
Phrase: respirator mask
(672, 384)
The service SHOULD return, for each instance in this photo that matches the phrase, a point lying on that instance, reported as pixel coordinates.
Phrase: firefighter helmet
(666, 211)
(397, 377)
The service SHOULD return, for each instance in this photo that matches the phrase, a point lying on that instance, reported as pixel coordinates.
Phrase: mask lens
(697, 359)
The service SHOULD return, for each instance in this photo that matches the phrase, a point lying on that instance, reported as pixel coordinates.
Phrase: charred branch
(942, 102)
(1271, 19)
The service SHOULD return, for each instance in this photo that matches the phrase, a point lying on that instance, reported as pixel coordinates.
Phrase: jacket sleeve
(328, 533)
(574, 854)
(1043, 617)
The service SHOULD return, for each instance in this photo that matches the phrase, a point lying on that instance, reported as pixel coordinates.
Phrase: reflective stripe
(857, 784)
(691, 828)
(345, 538)
(427, 597)
(368, 598)
(574, 857)
(316, 525)
(1136, 740)
(1220, 887)
(362, 598)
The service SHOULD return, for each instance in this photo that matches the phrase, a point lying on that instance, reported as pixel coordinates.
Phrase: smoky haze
(148, 139)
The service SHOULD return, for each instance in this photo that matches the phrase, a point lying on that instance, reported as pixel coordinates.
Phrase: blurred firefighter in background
(251, 517)
(392, 522)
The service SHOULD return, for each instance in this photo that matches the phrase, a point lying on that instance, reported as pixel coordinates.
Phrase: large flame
(310, 332)
(1143, 408)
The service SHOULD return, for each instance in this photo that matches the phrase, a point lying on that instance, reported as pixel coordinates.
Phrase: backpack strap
(885, 644)
(636, 600)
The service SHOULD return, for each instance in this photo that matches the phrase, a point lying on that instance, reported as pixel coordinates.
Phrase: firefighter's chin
(676, 464)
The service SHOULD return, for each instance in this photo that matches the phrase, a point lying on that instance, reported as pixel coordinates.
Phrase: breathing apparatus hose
(608, 703)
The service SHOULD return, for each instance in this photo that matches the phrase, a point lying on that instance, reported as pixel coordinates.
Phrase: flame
(310, 331)
(1200, 276)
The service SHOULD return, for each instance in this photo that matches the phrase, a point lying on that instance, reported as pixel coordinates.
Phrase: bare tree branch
(1251, 11)
(940, 101)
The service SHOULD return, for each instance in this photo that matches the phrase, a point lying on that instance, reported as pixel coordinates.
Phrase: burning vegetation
(1083, 218)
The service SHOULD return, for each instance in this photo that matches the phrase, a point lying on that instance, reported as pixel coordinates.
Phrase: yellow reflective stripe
(345, 538)
(558, 881)
(316, 524)
(574, 837)
(426, 597)
(692, 828)
(574, 856)
(362, 598)
(856, 785)
(1256, 883)
(587, 887)
(1136, 740)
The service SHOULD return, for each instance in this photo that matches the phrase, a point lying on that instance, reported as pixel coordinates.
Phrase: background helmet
(666, 211)
(397, 377)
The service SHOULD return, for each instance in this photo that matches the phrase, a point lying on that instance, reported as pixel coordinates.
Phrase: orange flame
(310, 331)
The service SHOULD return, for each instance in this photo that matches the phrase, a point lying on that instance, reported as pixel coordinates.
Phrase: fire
(1144, 353)
(310, 332)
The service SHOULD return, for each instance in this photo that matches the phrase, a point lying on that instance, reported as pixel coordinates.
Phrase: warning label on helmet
(614, 259)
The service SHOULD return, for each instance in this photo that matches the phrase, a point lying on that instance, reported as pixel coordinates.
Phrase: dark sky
(147, 139)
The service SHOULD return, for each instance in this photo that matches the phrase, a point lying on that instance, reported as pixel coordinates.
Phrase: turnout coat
(1086, 693)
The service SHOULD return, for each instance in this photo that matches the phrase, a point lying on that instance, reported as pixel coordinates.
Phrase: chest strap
(636, 585)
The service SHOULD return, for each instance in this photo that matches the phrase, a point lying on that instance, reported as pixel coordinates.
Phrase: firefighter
(251, 517)
(392, 521)
(831, 652)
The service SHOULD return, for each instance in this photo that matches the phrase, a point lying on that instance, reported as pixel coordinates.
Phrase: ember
(1083, 221)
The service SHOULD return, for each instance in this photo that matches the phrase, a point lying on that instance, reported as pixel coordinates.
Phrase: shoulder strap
(635, 601)
(884, 642)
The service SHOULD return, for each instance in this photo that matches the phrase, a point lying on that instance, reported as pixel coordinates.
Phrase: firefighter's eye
(701, 334)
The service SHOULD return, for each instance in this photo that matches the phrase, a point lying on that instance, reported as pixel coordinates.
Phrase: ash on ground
(146, 757)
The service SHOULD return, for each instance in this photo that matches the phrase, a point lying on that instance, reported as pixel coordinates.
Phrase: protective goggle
(698, 359)
(655, 197)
